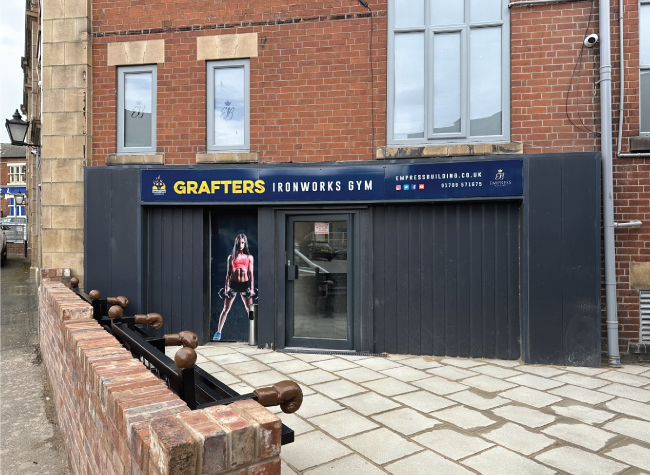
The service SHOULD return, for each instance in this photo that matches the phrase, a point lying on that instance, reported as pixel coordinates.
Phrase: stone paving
(410, 415)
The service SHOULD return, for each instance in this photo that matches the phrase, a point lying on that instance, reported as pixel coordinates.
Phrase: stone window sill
(227, 157)
(639, 144)
(140, 159)
(457, 150)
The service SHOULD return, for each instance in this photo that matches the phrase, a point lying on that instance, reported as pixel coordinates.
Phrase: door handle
(292, 272)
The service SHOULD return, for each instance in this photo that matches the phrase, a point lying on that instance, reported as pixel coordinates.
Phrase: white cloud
(12, 41)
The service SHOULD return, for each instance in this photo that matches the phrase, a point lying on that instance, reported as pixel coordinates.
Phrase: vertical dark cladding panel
(112, 218)
(563, 214)
(176, 268)
(581, 257)
(266, 242)
(435, 265)
(545, 286)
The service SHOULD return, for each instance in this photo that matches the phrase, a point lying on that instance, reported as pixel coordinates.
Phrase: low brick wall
(118, 418)
(16, 248)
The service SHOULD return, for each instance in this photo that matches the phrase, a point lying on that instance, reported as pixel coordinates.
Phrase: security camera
(591, 40)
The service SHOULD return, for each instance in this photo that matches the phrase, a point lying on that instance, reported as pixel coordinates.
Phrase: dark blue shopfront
(462, 257)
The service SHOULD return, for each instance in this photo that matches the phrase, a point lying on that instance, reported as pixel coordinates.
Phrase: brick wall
(310, 85)
(118, 418)
(16, 248)
(311, 98)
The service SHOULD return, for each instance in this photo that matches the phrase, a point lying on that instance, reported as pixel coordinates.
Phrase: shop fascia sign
(496, 178)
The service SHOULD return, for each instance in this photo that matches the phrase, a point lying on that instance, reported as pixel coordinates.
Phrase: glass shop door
(319, 296)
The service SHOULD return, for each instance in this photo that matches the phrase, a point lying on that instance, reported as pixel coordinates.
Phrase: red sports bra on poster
(240, 262)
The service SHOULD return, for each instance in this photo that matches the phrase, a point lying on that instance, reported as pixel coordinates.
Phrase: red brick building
(420, 83)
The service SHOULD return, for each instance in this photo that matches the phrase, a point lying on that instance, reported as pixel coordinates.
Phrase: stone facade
(66, 131)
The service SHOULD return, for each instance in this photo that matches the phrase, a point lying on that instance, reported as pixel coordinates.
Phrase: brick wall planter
(118, 418)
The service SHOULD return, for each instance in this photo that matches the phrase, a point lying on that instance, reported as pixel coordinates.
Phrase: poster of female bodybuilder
(234, 274)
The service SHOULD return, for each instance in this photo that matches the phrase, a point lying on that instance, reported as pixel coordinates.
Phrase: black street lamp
(17, 129)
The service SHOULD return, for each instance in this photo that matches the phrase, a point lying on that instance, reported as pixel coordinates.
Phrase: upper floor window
(136, 109)
(644, 65)
(448, 71)
(228, 105)
(17, 174)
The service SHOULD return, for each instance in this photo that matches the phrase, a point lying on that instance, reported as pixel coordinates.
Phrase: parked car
(318, 250)
(3, 258)
(14, 220)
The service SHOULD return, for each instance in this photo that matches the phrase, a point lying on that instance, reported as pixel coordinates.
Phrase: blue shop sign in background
(346, 183)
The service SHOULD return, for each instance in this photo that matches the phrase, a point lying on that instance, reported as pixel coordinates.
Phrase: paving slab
(499, 461)
(389, 386)
(463, 417)
(477, 401)
(530, 396)
(452, 444)
(505, 363)
(312, 449)
(420, 363)
(633, 428)
(579, 462)
(543, 371)
(629, 407)
(519, 439)
(628, 392)
(210, 350)
(360, 374)
(338, 388)
(335, 364)
(438, 385)
(225, 377)
(406, 421)
(425, 463)
(381, 445)
(291, 366)
(245, 368)
(405, 374)
(352, 464)
(369, 403)
(462, 363)
(582, 381)
(581, 394)
(524, 415)
(585, 371)
(631, 454)
(272, 357)
(584, 435)
(313, 376)
(228, 358)
(585, 414)
(316, 404)
(424, 401)
(312, 357)
(535, 382)
(488, 383)
(496, 371)
(343, 423)
(450, 372)
(264, 378)
(628, 379)
(378, 364)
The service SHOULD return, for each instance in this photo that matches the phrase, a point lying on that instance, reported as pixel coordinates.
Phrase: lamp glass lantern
(17, 129)
(19, 199)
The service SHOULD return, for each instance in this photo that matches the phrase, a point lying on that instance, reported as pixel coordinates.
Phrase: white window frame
(209, 104)
(464, 29)
(21, 173)
(14, 207)
(643, 67)
(121, 72)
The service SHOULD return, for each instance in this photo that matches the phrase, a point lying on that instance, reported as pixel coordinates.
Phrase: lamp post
(17, 129)
(19, 200)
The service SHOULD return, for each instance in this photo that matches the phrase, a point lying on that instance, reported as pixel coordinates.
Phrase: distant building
(13, 171)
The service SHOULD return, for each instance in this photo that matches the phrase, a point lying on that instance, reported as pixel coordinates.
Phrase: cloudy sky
(12, 48)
